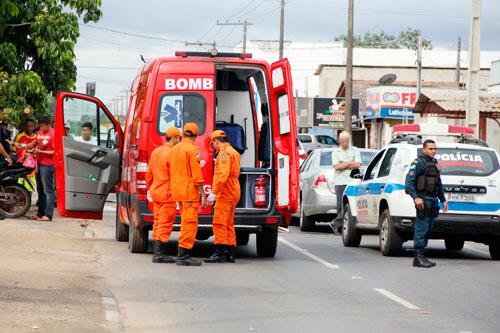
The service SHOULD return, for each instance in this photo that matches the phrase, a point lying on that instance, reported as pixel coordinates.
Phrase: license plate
(460, 197)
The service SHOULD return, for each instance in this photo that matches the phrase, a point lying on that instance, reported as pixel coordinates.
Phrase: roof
(454, 100)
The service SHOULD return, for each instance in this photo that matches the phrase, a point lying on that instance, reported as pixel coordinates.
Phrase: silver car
(317, 187)
(311, 142)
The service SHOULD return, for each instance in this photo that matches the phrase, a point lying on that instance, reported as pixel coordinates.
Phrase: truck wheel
(351, 237)
(242, 238)
(267, 242)
(389, 239)
(121, 229)
(137, 238)
(454, 244)
(306, 223)
(495, 248)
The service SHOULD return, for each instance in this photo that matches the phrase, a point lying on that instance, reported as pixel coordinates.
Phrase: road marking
(308, 254)
(396, 298)
(111, 309)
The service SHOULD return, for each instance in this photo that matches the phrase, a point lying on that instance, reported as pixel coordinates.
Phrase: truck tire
(242, 238)
(389, 239)
(494, 247)
(351, 237)
(306, 223)
(121, 229)
(137, 239)
(454, 244)
(267, 242)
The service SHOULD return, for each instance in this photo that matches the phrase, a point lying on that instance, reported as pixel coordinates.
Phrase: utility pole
(245, 25)
(282, 28)
(472, 104)
(459, 49)
(348, 77)
(419, 66)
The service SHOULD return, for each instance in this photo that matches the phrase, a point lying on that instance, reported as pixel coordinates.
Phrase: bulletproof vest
(427, 182)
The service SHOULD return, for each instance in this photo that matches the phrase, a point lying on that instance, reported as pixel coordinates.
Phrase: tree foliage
(406, 39)
(37, 40)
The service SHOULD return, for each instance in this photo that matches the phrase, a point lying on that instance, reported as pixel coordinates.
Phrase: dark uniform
(423, 181)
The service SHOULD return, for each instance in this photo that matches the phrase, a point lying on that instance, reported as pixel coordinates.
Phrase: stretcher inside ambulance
(249, 99)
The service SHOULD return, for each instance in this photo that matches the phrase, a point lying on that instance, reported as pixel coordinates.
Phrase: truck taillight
(320, 180)
(140, 175)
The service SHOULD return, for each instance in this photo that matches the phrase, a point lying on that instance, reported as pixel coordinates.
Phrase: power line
(133, 34)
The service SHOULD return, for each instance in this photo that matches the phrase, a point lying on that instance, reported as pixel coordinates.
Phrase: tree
(404, 40)
(37, 40)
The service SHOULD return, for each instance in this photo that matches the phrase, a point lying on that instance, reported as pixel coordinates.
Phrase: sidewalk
(50, 278)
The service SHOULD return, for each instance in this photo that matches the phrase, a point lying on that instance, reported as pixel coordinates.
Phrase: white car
(376, 202)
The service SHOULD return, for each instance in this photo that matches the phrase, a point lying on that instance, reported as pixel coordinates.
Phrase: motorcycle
(15, 190)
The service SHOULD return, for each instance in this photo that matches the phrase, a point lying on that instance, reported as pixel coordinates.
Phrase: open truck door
(87, 166)
(284, 135)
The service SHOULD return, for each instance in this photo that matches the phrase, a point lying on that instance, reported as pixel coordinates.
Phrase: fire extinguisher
(260, 193)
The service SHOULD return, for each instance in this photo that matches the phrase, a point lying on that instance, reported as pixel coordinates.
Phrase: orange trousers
(189, 224)
(163, 223)
(223, 223)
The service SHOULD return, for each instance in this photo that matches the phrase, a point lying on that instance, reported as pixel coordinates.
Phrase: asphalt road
(314, 284)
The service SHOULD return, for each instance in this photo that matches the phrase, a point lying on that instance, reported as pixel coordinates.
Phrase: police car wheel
(121, 229)
(351, 237)
(389, 239)
(306, 223)
(495, 248)
(454, 244)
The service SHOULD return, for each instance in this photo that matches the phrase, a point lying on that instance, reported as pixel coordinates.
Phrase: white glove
(211, 198)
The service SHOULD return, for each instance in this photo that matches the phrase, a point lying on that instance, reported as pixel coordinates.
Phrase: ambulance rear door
(286, 162)
(87, 166)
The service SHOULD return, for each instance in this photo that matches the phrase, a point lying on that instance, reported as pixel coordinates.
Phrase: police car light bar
(436, 129)
(212, 54)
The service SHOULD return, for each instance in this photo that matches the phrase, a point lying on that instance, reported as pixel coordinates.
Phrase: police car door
(381, 185)
(365, 190)
(87, 168)
(284, 129)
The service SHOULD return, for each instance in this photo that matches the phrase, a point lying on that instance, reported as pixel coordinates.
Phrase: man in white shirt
(87, 134)
(345, 158)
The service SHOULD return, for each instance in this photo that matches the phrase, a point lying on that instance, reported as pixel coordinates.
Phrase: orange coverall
(186, 175)
(226, 187)
(158, 185)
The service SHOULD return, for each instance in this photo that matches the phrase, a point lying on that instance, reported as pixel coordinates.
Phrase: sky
(108, 52)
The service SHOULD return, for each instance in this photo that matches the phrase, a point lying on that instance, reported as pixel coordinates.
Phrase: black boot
(420, 260)
(427, 260)
(184, 258)
(160, 253)
(218, 256)
(229, 252)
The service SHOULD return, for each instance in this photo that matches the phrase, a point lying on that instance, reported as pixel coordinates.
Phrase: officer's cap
(173, 132)
(190, 129)
(218, 134)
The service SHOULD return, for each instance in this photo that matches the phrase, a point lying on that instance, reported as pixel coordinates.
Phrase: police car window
(385, 167)
(177, 109)
(467, 162)
(372, 168)
(326, 158)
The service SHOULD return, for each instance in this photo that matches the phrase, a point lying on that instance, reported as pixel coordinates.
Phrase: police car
(376, 202)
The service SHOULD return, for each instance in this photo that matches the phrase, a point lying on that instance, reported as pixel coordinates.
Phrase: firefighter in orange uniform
(226, 194)
(187, 187)
(158, 185)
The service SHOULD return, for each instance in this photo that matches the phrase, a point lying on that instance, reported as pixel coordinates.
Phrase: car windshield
(467, 162)
(305, 138)
(366, 157)
(326, 158)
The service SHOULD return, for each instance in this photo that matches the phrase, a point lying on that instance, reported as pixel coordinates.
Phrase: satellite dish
(387, 79)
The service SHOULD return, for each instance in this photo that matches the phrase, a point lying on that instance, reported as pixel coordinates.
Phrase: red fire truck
(251, 100)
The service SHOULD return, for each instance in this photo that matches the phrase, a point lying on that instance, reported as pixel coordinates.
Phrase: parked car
(377, 202)
(317, 187)
(312, 141)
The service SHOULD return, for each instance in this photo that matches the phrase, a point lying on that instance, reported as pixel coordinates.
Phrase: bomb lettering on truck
(189, 84)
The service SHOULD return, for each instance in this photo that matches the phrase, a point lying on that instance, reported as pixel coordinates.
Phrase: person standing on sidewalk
(423, 184)
(226, 194)
(45, 176)
(344, 159)
(187, 187)
(158, 185)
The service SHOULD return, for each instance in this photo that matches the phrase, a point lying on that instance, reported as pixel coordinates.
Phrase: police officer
(423, 184)
(226, 193)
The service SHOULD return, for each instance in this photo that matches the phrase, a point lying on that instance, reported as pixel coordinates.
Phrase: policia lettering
(423, 184)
